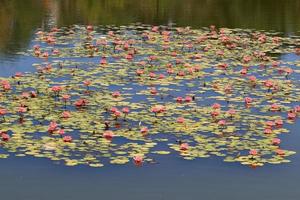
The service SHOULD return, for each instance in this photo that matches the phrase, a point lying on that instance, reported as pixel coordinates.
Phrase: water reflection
(18, 19)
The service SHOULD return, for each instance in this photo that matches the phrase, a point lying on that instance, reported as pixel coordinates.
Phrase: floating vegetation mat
(122, 95)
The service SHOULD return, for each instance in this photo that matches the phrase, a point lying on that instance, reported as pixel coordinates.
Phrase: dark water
(173, 178)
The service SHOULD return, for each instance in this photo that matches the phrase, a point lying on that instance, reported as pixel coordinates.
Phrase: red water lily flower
(144, 130)
(179, 99)
(4, 136)
(80, 103)
(3, 111)
(67, 138)
(108, 135)
(253, 152)
(56, 88)
(116, 94)
(138, 160)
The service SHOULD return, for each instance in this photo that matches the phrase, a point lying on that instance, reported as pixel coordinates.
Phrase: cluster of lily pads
(116, 95)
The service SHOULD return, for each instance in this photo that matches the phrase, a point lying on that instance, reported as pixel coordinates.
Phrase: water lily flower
(247, 59)
(252, 79)
(144, 130)
(4, 136)
(103, 61)
(117, 113)
(179, 99)
(138, 160)
(275, 107)
(139, 72)
(161, 76)
(3, 111)
(188, 99)
(276, 141)
(170, 71)
(153, 91)
(184, 146)
(67, 138)
(222, 123)
(280, 152)
(22, 109)
(181, 73)
(216, 106)
(297, 51)
(116, 94)
(87, 83)
(279, 122)
(61, 131)
(66, 114)
(180, 120)
(80, 103)
(33, 94)
(268, 131)
(125, 110)
(253, 152)
(66, 97)
(291, 115)
(231, 112)
(56, 88)
(248, 100)
(270, 124)
(152, 75)
(244, 71)
(18, 74)
(297, 108)
(52, 127)
(215, 113)
(108, 135)
(5, 85)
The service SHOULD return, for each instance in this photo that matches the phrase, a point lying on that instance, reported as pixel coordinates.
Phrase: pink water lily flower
(67, 138)
(216, 106)
(291, 115)
(179, 99)
(184, 146)
(180, 120)
(66, 114)
(248, 100)
(276, 141)
(253, 152)
(268, 131)
(52, 127)
(125, 110)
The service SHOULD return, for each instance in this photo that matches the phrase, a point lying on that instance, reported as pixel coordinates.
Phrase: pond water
(172, 177)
